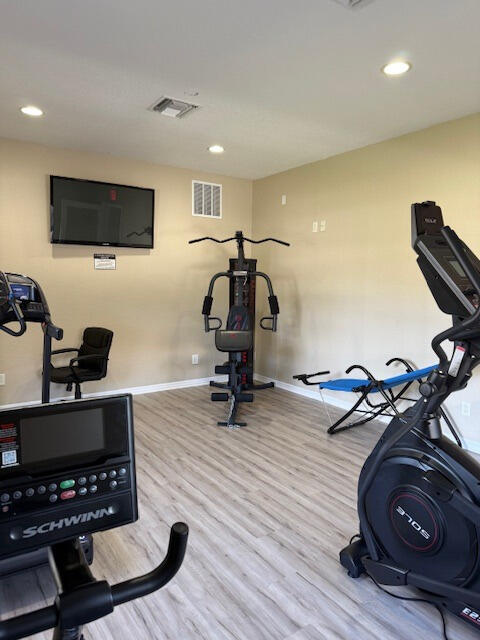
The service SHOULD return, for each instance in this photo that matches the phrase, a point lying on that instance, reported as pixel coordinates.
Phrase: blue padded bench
(386, 406)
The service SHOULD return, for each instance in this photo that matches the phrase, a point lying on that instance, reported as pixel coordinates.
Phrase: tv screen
(100, 213)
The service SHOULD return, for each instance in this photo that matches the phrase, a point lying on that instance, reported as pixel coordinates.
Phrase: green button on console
(67, 484)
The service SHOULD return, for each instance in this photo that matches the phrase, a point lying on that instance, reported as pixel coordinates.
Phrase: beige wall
(350, 294)
(354, 293)
(152, 301)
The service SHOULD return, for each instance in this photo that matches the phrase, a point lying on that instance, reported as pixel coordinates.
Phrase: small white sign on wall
(105, 261)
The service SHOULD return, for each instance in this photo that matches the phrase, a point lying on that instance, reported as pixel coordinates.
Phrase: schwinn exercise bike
(419, 492)
(68, 470)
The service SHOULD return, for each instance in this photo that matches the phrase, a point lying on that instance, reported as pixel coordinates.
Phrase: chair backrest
(96, 341)
(239, 318)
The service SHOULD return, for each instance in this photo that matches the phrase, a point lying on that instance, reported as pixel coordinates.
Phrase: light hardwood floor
(269, 507)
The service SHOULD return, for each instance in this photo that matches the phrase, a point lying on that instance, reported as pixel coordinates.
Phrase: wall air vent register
(206, 199)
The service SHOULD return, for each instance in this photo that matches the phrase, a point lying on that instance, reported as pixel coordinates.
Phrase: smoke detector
(173, 108)
(353, 4)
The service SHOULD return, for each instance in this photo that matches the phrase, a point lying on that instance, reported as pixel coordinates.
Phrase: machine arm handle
(406, 364)
(53, 331)
(458, 249)
(304, 377)
(239, 237)
(208, 301)
(274, 308)
(43, 619)
(285, 244)
(8, 301)
(19, 317)
(212, 239)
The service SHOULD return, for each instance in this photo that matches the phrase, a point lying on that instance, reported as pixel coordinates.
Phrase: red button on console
(66, 495)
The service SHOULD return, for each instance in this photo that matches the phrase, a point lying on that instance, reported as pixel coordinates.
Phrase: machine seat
(233, 341)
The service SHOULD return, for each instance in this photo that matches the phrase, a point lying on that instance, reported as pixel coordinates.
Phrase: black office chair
(90, 363)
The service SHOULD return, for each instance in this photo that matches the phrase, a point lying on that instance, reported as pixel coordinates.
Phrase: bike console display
(450, 268)
(66, 470)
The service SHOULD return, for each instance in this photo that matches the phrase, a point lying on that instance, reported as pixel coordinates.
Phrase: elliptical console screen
(53, 436)
(456, 265)
(448, 282)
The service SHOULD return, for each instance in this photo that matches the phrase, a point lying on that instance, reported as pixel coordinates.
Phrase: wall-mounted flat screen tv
(100, 213)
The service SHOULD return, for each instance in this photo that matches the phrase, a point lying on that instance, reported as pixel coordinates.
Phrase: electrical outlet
(466, 406)
(3, 379)
(323, 225)
(284, 199)
(315, 226)
(195, 358)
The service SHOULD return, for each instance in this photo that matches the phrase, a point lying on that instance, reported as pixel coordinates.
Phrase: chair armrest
(66, 350)
(88, 357)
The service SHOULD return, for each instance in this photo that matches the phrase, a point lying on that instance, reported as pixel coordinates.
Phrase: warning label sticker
(8, 444)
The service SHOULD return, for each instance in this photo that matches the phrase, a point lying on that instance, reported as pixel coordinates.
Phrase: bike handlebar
(43, 619)
(158, 578)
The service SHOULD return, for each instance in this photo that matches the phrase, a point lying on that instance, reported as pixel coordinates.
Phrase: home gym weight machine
(22, 301)
(68, 470)
(419, 492)
(238, 338)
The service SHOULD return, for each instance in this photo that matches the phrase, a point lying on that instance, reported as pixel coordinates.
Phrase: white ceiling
(281, 82)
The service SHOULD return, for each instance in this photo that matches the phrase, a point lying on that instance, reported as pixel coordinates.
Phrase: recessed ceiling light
(396, 68)
(30, 110)
(216, 148)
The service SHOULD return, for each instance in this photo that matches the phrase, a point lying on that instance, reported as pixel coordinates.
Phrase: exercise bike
(68, 470)
(238, 338)
(419, 492)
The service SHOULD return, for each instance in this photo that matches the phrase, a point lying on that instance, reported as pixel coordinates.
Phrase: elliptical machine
(238, 338)
(418, 492)
(22, 301)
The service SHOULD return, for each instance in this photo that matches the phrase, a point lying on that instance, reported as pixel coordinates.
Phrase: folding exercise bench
(370, 385)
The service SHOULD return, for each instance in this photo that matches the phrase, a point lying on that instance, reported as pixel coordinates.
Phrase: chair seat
(63, 375)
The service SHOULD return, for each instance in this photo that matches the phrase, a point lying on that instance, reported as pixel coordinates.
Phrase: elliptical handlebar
(458, 249)
(49, 617)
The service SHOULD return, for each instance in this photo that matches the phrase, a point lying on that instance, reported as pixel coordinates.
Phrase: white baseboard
(135, 391)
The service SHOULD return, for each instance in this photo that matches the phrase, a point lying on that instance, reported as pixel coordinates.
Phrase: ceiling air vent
(206, 199)
(353, 4)
(173, 108)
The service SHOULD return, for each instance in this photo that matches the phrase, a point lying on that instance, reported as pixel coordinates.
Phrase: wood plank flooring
(269, 506)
